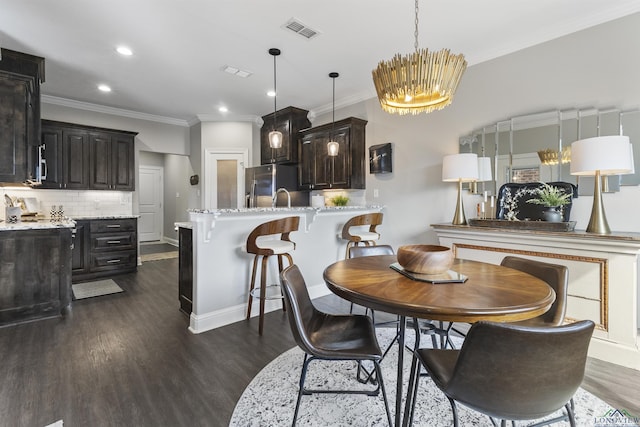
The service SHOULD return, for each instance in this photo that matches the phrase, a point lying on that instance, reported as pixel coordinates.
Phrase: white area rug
(95, 289)
(270, 398)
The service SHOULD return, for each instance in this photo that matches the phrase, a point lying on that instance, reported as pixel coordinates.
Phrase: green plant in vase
(340, 200)
(552, 198)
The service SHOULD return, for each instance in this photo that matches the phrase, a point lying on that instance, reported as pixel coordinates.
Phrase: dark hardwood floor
(128, 360)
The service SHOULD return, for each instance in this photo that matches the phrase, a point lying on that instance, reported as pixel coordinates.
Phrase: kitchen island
(221, 267)
(35, 270)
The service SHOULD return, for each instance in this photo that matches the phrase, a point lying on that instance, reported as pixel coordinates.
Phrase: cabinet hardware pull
(113, 226)
(113, 261)
(113, 242)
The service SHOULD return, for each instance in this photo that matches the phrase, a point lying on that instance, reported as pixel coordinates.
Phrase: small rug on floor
(95, 289)
(159, 256)
(270, 398)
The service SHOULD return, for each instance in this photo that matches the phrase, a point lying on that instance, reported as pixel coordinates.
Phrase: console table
(603, 277)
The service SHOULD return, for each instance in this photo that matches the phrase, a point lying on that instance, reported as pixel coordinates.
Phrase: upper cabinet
(87, 158)
(20, 78)
(289, 121)
(319, 171)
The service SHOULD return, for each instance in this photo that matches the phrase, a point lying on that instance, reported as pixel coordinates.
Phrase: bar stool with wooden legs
(360, 236)
(261, 243)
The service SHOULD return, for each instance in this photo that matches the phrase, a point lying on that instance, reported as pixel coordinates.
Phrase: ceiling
(181, 47)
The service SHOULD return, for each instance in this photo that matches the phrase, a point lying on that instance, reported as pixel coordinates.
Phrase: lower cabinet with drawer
(104, 247)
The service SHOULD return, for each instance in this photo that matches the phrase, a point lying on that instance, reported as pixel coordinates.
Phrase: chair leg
(303, 374)
(263, 292)
(454, 409)
(384, 392)
(252, 284)
(284, 308)
(570, 414)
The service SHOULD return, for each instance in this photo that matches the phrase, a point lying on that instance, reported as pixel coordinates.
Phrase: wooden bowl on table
(425, 259)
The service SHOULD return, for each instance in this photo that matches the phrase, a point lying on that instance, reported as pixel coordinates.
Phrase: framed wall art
(380, 160)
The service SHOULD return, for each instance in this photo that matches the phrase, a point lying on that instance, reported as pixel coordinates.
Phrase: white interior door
(224, 173)
(151, 202)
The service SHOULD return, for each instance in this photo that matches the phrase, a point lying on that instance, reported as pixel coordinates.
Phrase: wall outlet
(376, 193)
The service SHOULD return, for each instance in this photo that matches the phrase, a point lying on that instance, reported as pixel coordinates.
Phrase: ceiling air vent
(300, 28)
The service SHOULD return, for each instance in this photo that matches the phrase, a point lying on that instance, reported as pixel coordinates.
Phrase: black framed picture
(380, 158)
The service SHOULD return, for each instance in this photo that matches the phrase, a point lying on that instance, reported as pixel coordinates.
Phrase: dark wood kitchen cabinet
(35, 274)
(319, 171)
(185, 270)
(289, 121)
(80, 251)
(104, 247)
(87, 158)
(20, 78)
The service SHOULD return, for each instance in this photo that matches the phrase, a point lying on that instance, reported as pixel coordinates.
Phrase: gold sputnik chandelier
(419, 82)
(549, 156)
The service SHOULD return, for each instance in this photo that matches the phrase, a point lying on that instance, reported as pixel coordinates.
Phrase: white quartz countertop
(44, 224)
(280, 210)
(84, 218)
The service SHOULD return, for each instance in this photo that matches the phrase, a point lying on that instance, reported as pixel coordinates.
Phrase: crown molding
(202, 118)
(343, 102)
(87, 106)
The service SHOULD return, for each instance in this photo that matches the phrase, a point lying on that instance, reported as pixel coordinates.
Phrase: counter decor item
(552, 198)
(598, 157)
(523, 225)
(56, 213)
(317, 201)
(340, 200)
(460, 168)
(513, 200)
(425, 259)
(13, 214)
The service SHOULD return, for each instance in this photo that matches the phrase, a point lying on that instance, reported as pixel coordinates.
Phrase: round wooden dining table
(491, 292)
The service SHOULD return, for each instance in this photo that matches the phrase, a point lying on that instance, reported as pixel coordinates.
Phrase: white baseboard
(215, 319)
(173, 242)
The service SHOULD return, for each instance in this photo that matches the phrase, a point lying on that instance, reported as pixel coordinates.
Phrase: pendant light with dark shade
(332, 146)
(275, 136)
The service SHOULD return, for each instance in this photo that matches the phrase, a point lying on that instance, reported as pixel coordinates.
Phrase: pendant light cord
(275, 93)
(333, 109)
(415, 33)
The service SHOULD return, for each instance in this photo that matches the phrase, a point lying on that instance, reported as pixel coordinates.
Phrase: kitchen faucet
(275, 197)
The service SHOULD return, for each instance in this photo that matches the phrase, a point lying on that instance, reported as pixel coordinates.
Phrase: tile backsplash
(78, 204)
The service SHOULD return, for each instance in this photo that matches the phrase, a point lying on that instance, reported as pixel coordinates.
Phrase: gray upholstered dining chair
(324, 336)
(512, 372)
(556, 276)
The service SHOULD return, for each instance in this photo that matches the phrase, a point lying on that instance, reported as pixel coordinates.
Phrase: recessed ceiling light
(271, 93)
(223, 109)
(104, 88)
(123, 50)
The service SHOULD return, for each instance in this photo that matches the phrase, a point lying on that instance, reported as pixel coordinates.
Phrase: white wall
(596, 68)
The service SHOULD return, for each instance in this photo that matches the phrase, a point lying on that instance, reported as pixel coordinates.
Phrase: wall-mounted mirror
(537, 147)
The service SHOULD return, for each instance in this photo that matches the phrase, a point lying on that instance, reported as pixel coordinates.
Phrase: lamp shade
(611, 155)
(463, 167)
(484, 169)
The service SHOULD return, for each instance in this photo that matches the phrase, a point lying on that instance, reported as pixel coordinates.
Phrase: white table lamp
(484, 169)
(601, 156)
(461, 167)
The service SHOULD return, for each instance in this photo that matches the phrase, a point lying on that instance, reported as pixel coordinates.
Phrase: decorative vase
(552, 214)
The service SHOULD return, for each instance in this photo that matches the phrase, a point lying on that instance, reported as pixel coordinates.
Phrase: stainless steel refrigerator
(262, 182)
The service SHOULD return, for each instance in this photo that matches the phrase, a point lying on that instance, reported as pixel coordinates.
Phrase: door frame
(211, 156)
